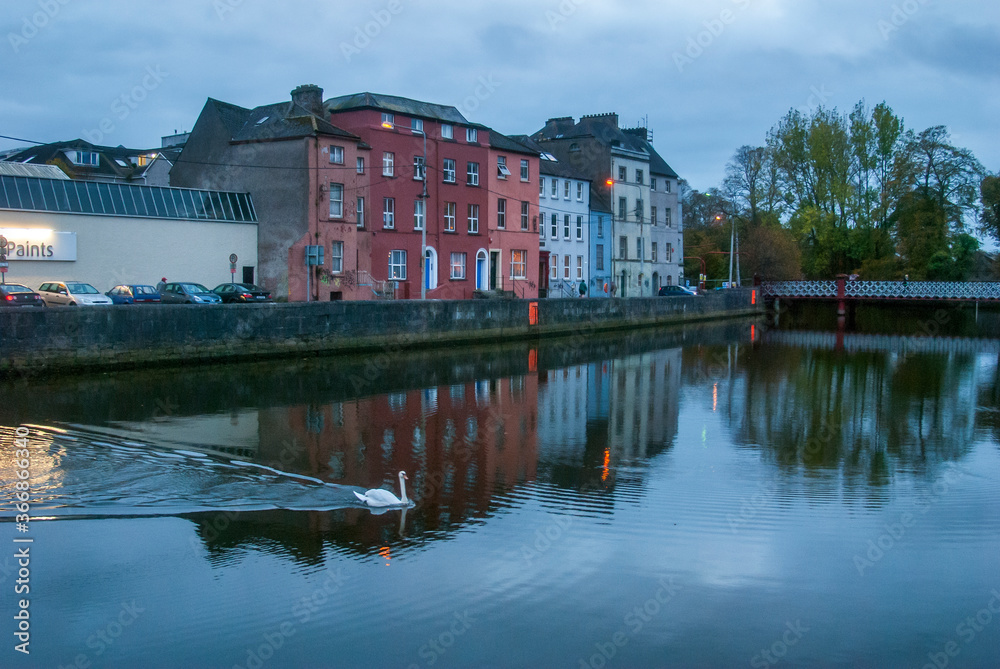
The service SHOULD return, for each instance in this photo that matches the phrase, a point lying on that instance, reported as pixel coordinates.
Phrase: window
(518, 264)
(388, 160)
(85, 158)
(447, 131)
(541, 186)
(600, 257)
(640, 211)
(579, 227)
(418, 214)
(670, 252)
(361, 212)
(652, 252)
(471, 135)
(566, 186)
(652, 215)
(457, 265)
(666, 185)
(554, 266)
(579, 267)
(600, 227)
(501, 213)
(388, 212)
(640, 249)
(337, 155)
(638, 176)
(397, 265)
(418, 168)
(622, 173)
(565, 226)
(555, 226)
(555, 188)
(336, 200)
(361, 165)
(337, 257)
(666, 215)
(623, 248)
(417, 126)
(566, 262)
(579, 192)
(474, 219)
(524, 216)
(541, 228)
(388, 120)
(449, 217)
(448, 170)
(472, 174)
(622, 208)
(502, 171)
(524, 170)
(652, 183)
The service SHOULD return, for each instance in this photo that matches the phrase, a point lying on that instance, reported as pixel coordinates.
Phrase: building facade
(304, 174)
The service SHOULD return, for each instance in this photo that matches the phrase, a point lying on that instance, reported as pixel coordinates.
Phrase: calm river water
(714, 496)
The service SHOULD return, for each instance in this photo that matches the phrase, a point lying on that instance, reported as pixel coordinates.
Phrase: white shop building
(106, 234)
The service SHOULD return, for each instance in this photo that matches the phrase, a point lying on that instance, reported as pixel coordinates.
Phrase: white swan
(380, 497)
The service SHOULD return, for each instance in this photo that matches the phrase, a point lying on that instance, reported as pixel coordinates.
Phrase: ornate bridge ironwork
(882, 290)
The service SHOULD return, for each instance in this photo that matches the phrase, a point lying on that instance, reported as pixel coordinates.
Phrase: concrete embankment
(103, 338)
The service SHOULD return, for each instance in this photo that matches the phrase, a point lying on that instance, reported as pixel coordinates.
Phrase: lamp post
(423, 228)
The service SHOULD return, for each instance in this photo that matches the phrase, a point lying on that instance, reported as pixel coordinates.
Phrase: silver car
(71, 294)
(181, 292)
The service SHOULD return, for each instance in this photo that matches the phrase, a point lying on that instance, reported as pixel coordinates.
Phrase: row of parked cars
(78, 293)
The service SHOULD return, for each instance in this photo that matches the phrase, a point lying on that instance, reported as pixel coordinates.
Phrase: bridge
(843, 290)
(902, 344)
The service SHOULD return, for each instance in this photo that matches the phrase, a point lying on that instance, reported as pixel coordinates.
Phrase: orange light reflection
(606, 466)
(715, 397)
(384, 552)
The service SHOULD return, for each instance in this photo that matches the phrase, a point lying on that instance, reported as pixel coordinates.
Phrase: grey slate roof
(396, 104)
(512, 144)
(282, 120)
(107, 168)
(555, 168)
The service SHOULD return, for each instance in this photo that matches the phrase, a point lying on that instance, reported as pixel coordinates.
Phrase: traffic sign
(233, 258)
(3, 242)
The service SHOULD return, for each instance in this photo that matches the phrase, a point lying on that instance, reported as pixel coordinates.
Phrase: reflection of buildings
(608, 412)
(459, 444)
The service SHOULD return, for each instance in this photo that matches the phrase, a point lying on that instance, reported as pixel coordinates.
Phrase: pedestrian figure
(161, 285)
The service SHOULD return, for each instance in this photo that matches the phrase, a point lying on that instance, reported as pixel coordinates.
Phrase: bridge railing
(907, 290)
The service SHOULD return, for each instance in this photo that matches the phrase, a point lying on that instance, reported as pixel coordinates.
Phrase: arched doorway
(656, 282)
(430, 269)
(481, 270)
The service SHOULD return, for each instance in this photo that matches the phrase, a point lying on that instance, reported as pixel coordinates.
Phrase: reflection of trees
(865, 414)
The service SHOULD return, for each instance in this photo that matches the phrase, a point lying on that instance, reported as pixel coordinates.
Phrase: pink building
(301, 172)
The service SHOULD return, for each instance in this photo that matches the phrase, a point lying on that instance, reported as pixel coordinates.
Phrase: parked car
(71, 293)
(135, 293)
(241, 292)
(675, 291)
(17, 295)
(180, 292)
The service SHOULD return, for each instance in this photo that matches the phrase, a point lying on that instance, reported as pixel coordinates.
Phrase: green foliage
(861, 193)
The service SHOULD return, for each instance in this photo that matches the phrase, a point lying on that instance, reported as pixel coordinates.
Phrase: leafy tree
(989, 192)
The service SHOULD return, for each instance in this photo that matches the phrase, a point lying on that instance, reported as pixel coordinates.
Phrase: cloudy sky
(709, 76)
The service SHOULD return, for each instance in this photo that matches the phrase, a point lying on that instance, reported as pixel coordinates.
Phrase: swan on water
(380, 497)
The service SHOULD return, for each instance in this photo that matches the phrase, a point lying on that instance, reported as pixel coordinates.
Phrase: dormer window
(471, 135)
(84, 158)
(574, 147)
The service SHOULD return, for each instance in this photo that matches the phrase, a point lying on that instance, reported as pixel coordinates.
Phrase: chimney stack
(310, 98)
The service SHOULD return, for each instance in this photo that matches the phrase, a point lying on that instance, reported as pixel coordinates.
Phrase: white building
(564, 226)
(107, 234)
